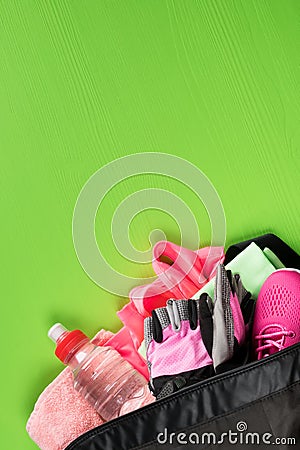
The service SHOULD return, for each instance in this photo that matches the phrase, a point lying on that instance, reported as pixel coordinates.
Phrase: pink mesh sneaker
(277, 313)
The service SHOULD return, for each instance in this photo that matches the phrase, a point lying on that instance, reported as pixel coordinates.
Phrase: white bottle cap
(56, 331)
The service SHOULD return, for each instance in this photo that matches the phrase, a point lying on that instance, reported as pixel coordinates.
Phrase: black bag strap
(286, 254)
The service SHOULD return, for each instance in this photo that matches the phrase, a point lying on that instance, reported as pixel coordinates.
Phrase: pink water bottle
(111, 385)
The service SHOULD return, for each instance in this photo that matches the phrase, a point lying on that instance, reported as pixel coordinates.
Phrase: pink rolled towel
(61, 414)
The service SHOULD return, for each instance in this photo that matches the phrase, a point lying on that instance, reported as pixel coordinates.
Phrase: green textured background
(82, 83)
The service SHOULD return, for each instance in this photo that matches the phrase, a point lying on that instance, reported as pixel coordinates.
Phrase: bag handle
(285, 253)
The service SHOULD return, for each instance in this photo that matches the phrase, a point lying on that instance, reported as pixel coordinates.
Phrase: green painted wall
(83, 83)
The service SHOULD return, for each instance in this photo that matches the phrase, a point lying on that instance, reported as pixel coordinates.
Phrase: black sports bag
(254, 406)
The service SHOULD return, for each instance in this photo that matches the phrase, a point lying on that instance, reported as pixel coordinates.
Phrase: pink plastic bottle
(111, 385)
